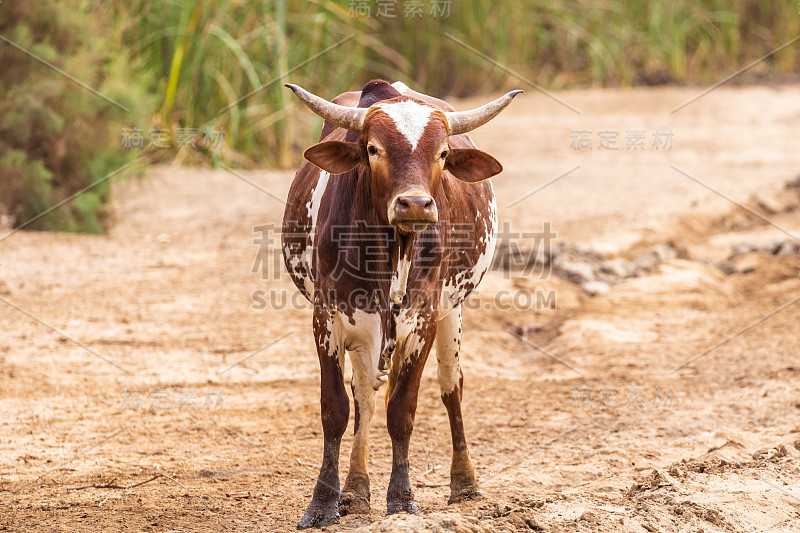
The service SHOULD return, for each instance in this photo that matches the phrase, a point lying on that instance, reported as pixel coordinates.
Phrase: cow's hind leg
(451, 381)
(335, 409)
(355, 495)
(401, 407)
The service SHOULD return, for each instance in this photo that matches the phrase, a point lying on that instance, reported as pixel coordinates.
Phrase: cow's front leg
(355, 495)
(335, 409)
(451, 383)
(401, 407)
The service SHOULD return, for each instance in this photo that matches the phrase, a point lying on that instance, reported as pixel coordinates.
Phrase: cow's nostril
(417, 208)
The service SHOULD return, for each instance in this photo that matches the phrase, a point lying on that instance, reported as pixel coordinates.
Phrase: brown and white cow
(390, 225)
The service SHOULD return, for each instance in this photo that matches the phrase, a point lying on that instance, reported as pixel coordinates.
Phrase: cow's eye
(443, 154)
(372, 150)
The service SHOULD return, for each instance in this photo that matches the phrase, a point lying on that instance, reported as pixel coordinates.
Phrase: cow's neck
(400, 247)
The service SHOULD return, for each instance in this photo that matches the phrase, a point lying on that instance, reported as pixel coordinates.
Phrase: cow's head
(404, 142)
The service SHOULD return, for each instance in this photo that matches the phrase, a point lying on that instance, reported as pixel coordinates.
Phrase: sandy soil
(668, 401)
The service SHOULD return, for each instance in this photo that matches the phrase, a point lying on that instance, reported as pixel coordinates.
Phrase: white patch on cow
(447, 299)
(410, 117)
(406, 321)
(308, 283)
(363, 336)
(299, 266)
(294, 261)
(312, 206)
(409, 343)
(448, 346)
(401, 87)
(400, 280)
(331, 341)
(485, 260)
(454, 289)
(316, 198)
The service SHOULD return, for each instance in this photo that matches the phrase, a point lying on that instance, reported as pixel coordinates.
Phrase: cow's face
(404, 142)
(406, 148)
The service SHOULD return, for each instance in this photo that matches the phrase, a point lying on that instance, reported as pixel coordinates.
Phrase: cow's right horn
(350, 118)
(464, 121)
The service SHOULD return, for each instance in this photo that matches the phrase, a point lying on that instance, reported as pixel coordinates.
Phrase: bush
(56, 137)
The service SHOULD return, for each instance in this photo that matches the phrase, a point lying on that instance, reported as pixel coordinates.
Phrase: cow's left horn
(350, 118)
(464, 121)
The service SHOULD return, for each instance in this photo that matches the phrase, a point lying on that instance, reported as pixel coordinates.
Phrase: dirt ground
(654, 389)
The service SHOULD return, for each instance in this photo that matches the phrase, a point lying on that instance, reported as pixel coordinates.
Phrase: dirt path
(668, 401)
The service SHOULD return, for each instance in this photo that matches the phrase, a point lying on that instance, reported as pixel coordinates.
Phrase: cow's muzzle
(412, 213)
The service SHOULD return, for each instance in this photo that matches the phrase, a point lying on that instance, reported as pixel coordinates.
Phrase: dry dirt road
(652, 387)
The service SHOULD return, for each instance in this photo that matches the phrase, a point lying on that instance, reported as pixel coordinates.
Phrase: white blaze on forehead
(410, 118)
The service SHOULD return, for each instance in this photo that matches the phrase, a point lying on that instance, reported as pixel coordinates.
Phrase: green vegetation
(204, 55)
(56, 137)
(210, 66)
(567, 43)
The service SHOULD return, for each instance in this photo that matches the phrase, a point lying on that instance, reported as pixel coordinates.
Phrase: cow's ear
(471, 165)
(335, 157)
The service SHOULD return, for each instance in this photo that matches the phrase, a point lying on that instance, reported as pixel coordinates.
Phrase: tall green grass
(564, 43)
(205, 54)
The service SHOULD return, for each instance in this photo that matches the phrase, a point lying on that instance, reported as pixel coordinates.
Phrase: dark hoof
(464, 495)
(319, 515)
(352, 503)
(401, 506)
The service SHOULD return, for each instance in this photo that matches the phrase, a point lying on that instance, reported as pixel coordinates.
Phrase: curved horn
(464, 121)
(350, 118)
